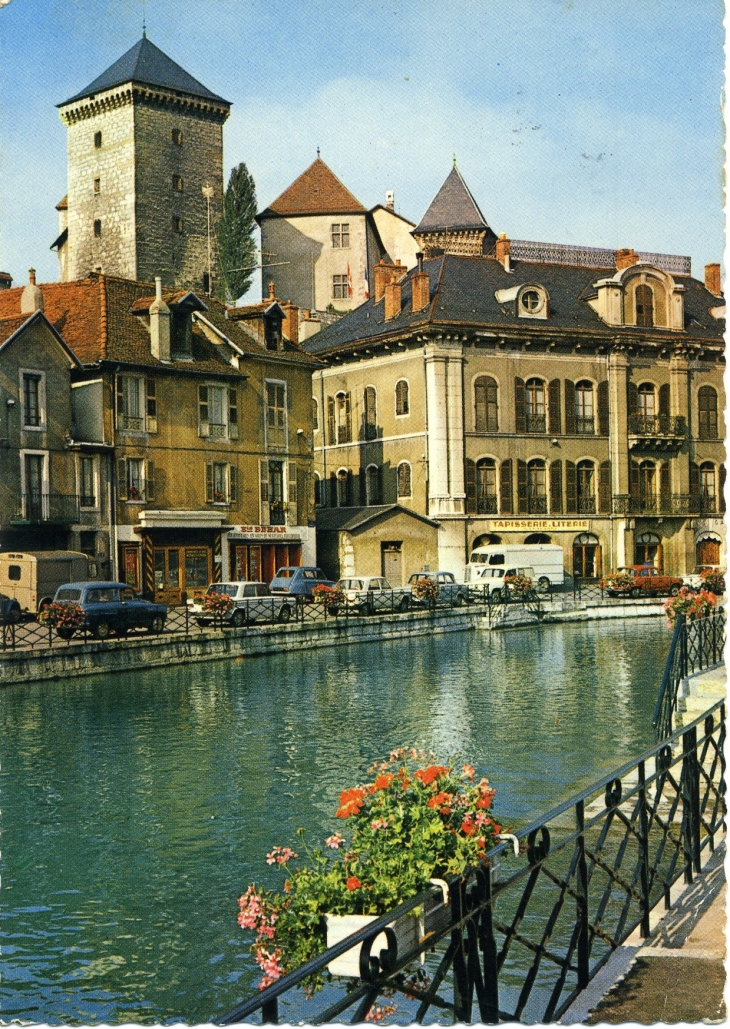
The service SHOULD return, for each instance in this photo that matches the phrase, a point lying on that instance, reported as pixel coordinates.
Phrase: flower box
(408, 931)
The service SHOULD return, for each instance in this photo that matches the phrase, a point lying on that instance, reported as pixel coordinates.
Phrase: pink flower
(280, 855)
(468, 771)
(270, 964)
(379, 823)
(335, 841)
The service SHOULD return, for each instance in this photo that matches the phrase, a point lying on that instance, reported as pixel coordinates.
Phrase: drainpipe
(425, 431)
(111, 500)
(324, 486)
(611, 521)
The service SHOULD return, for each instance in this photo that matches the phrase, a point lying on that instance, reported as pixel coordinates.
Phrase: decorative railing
(37, 508)
(591, 257)
(696, 645)
(586, 504)
(523, 935)
(535, 423)
(533, 504)
(655, 504)
(657, 425)
(486, 503)
(585, 425)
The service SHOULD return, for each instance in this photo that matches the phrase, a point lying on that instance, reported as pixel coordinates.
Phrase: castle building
(521, 392)
(320, 245)
(145, 172)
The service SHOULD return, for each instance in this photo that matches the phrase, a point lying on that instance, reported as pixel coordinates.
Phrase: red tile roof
(316, 191)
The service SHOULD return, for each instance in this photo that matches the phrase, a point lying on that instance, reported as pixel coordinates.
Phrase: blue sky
(574, 122)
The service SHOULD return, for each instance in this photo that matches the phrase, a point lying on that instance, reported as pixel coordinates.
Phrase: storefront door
(130, 567)
(586, 556)
(179, 569)
(392, 563)
(707, 553)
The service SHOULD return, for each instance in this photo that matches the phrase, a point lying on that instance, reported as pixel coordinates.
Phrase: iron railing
(696, 645)
(535, 423)
(37, 507)
(523, 935)
(591, 257)
(657, 425)
(677, 504)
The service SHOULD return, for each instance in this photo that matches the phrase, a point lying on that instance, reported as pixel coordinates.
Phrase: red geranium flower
(382, 782)
(440, 799)
(353, 883)
(467, 826)
(430, 774)
(350, 802)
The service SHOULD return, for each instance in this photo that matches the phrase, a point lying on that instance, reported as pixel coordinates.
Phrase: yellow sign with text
(541, 524)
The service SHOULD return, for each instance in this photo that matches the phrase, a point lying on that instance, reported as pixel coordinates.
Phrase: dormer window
(529, 300)
(644, 306)
(272, 332)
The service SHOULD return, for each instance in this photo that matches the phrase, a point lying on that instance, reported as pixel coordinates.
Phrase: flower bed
(411, 823)
(217, 604)
(689, 602)
(617, 582)
(519, 585)
(425, 590)
(62, 616)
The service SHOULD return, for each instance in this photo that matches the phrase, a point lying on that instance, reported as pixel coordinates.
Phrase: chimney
(272, 291)
(290, 325)
(713, 280)
(160, 319)
(31, 299)
(625, 258)
(390, 199)
(6, 280)
(392, 300)
(420, 286)
(384, 274)
(502, 249)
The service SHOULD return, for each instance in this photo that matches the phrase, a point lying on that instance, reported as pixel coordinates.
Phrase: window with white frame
(343, 415)
(33, 388)
(217, 412)
(276, 427)
(135, 479)
(221, 483)
(87, 471)
(340, 287)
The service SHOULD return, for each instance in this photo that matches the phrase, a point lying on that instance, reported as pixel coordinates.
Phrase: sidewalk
(677, 974)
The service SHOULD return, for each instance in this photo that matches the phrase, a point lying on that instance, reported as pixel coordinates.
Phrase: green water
(137, 808)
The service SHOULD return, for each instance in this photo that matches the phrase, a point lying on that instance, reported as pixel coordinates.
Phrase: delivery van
(489, 564)
(34, 576)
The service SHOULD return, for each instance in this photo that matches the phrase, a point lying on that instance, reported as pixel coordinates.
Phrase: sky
(575, 122)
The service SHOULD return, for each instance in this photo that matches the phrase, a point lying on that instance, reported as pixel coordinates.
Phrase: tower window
(177, 136)
(177, 183)
(177, 224)
(97, 186)
(97, 140)
(97, 227)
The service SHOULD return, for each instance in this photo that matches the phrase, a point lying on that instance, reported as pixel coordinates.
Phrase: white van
(489, 565)
(33, 577)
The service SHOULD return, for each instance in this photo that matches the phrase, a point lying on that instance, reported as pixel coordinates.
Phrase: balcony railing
(664, 504)
(533, 505)
(657, 425)
(487, 503)
(586, 505)
(585, 426)
(38, 508)
(535, 423)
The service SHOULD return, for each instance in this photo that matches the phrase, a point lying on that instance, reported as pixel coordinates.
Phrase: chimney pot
(31, 276)
(158, 287)
(625, 258)
(272, 291)
(713, 279)
(502, 251)
(393, 300)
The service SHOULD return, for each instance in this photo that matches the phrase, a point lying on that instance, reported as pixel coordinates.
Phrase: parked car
(252, 602)
(110, 607)
(496, 580)
(644, 580)
(450, 592)
(299, 581)
(9, 610)
(371, 593)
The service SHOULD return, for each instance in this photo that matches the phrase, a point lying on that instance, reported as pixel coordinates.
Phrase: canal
(137, 808)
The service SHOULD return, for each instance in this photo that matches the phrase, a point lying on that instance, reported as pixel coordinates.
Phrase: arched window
(537, 537)
(401, 397)
(485, 404)
(486, 540)
(586, 487)
(643, 487)
(707, 405)
(344, 418)
(487, 486)
(318, 499)
(535, 405)
(404, 479)
(315, 414)
(344, 488)
(645, 409)
(584, 413)
(708, 494)
(648, 550)
(586, 556)
(536, 487)
(644, 306)
(373, 485)
(371, 412)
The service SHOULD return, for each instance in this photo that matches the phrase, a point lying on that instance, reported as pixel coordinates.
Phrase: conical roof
(453, 208)
(316, 191)
(146, 65)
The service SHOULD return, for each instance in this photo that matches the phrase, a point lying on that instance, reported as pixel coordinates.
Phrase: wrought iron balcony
(487, 503)
(533, 504)
(38, 508)
(535, 423)
(657, 429)
(586, 504)
(677, 504)
(585, 426)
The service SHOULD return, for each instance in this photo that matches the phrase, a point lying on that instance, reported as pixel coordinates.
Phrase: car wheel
(284, 615)
(404, 604)
(157, 624)
(543, 584)
(102, 630)
(635, 592)
(65, 633)
(238, 618)
(674, 591)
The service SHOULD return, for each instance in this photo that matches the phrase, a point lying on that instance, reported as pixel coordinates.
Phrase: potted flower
(519, 586)
(689, 602)
(217, 604)
(414, 821)
(330, 597)
(617, 582)
(713, 581)
(65, 618)
(425, 591)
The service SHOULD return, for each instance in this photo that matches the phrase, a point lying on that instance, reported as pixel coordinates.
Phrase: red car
(642, 580)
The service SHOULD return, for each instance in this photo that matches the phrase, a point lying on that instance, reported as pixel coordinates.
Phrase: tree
(236, 243)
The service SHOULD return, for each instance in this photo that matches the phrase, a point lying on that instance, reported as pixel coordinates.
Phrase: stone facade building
(145, 140)
(321, 245)
(523, 392)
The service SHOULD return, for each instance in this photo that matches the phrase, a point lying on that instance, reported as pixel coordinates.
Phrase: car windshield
(63, 595)
(223, 587)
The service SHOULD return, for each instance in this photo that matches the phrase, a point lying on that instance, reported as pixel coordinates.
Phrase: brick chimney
(6, 280)
(160, 319)
(713, 280)
(393, 300)
(502, 249)
(385, 273)
(625, 258)
(420, 286)
(290, 325)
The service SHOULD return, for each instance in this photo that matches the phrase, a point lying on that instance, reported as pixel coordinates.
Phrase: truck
(32, 577)
(490, 565)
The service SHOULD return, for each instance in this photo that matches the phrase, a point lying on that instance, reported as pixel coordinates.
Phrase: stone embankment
(69, 660)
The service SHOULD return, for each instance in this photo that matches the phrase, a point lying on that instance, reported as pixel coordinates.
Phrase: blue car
(298, 581)
(109, 607)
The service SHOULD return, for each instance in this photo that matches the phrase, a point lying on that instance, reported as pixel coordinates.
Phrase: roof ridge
(331, 194)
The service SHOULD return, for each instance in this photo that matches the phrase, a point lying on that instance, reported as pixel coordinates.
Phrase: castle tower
(144, 139)
(453, 223)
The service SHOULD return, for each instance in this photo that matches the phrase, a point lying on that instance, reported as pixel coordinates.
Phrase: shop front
(255, 552)
(580, 538)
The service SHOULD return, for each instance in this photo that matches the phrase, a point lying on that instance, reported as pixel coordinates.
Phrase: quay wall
(69, 660)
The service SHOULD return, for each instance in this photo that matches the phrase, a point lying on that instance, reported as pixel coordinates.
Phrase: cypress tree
(236, 243)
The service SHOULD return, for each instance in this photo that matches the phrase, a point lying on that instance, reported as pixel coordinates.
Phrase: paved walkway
(677, 974)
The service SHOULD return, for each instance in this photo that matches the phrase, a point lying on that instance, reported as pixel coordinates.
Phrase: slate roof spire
(453, 223)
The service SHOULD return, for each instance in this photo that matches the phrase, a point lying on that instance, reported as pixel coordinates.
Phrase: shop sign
(541, 524)
(264, 532)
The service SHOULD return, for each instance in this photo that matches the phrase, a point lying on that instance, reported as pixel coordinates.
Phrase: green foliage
(690, 603)
(236, 243)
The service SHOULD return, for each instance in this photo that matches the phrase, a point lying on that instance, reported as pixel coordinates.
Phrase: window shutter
(556, 487)
(232, 414)
(333, 489)
(315, 414)
(203, 425)
(571, 488)
(209, 483)
(363, 488)
(264, 490)
(522, 487)
(120, 401)
(151, 422)
(633, 398)
(569, 407)
(149, 483)
(480, 405)
(554, 425)
(122, 478)
(470, 477)
(664, 399)
(505, 486)
(331, 433)
(665, 487)
(520, 410)
(370, 412)
(348, 419)
(232, 484)
(292, 499)
(492, 406)
(634, 479)
(604, 487)
(603, 410)
(694, 479)
(721, 497)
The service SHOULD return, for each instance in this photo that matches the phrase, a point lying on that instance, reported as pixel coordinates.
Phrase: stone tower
(145, 139)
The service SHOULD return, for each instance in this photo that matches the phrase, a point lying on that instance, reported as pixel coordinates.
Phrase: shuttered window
(556, 487)
(571, 488)
(604, 487)
(485, 405)
(371, 412)
(707, 405)
(603, 408)
(505, 487)
(554, 420)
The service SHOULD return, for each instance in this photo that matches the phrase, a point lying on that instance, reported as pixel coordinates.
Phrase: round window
(531, 301)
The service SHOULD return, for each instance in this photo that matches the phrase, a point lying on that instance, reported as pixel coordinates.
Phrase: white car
(371, 593)
(252, 602)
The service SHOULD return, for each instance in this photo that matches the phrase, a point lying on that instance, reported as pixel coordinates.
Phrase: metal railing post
(644, 846)
(690, 804)
(270, 1012)
(581, 883)
(462, 980)
(488, 944)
